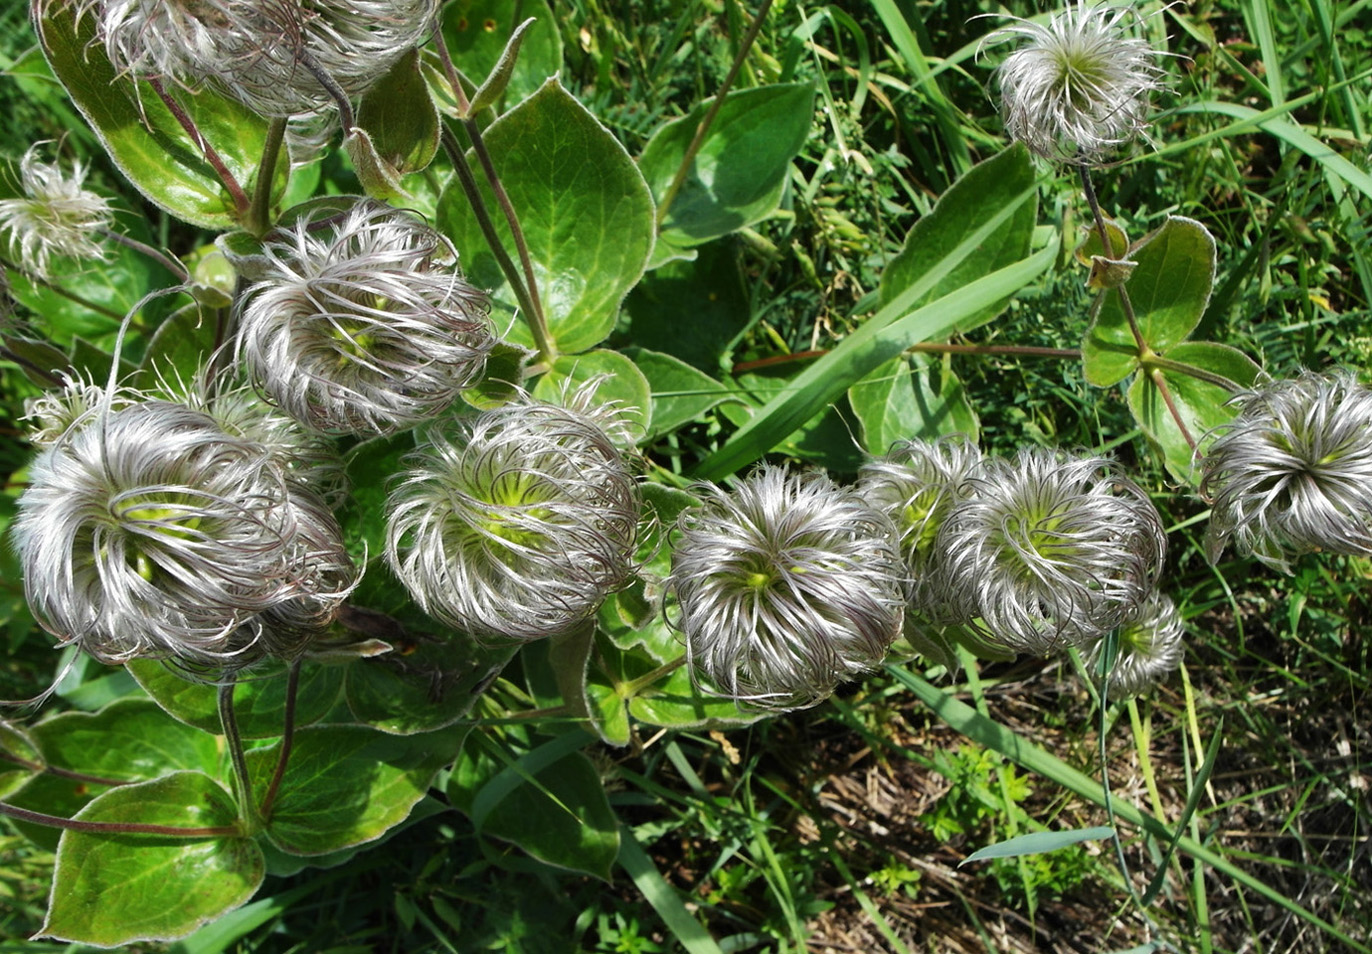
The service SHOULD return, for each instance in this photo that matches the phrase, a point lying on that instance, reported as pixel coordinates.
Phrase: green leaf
(1173, 276)
(130, 740)
(909, 398)
(584, 209)
(139, 132)
(680, 393)
(477, 32)
(982, 223)
(347, 785)
(739, 173)
(259, 699)
(692, 310)
(16, 749)
(1203, 405)
(179, 346)
(495, 84)
(372, 466)
(619, 380)
(113, 890)
(825, 439)
(550, 802)
(881, 338)
(421, 687)
(663, 897)
(1037, 843)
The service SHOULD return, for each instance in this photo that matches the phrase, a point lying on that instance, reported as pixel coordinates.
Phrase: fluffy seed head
(363, 325)
(1078, 87)
(268, 54)
(1050, 549)
(917, 484)
(1149, 644)
(56, 216)
(1292, 472)
(521, 526)
(785, 586)
(149, 532)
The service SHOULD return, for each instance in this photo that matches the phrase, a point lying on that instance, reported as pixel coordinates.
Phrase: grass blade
(1212, 754)
(1038, 843)
(663, 897)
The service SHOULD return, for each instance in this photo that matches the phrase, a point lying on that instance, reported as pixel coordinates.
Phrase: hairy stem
(502, 198)
(113, 828)
(1161, 384)
(157, 255)
(229, 723)
(60, 772)
(544, 345)
(1106, 249)
(287, 740)
(707, 121)
(236, 193)
(259, 216)
(338, 93)
(1200, 374)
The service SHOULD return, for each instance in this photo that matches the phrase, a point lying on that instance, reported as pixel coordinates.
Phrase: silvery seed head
(363, 324)
(61, 411)
(785, 586)
(149, 532)
(522, 525)
(268, 54)
(1078, 87)
(1149, 647)
(55, 217)
(1050, 549)
(1292, 472)
(917, 484)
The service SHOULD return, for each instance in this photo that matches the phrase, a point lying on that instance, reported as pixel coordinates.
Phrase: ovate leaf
(477, 32)
(112, 890)
(909, 398)
(738, 175)
(584, 209)
(616, 379)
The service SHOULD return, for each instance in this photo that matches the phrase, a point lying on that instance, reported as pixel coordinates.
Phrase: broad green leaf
(909, 398)
(982, 223)
(347, 785)
(282, 865)
(110, 891)
(421, 687)
(19, 758)
(259, 697)
(680, 393)
(550, 802)
(477, 31)
(493, 87)
(130, 740)
(584, 209)
(1037, 843)
(617, 379)
(661, 507)
(880, 338)
(373, 466)
(1202, 405)
(179, 346)
(502, 378)
(1170, 285)
(692, 310)
(739, 173)
(142, 137)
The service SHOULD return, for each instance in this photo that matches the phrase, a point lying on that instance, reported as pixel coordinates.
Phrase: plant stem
(698, 140)
(58, 289)
(1160, 383)
(502, 198)
(545, 348)
(648, 678)
(142, 248)
(60, 772)
(229, 724)
(113, 828)
(236, 193)
(339, 94)
(287, 741)
(25, 363)
(926, 347)
(1200, 374)
(1107, 249)
(259, 215)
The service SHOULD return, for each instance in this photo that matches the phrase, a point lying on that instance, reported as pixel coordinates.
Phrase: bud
(786, 586)
(56, 216)
(1049, 549)
(147, 531)
(520, 527)
(1078, 87)
(1292, 472)
(363, 325)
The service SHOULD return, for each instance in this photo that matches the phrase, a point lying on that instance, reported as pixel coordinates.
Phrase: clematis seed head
(56, 217)
(1149, 647)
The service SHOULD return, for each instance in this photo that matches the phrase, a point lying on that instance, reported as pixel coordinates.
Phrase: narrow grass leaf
(1198, 784)
(689, 932)
(1038, 843)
